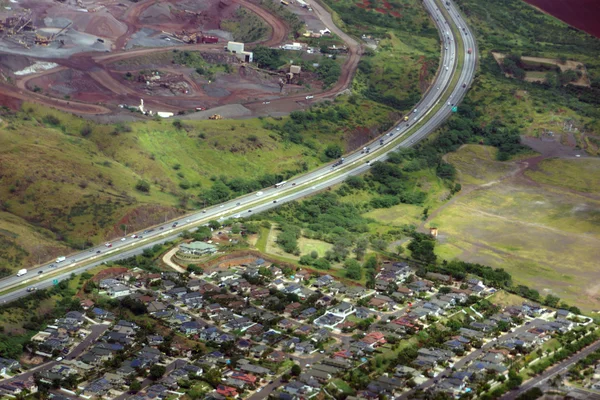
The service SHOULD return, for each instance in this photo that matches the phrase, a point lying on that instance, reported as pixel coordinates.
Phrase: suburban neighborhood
(247, 327)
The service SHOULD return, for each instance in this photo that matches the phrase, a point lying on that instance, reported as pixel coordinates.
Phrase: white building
(294, 46)
(237, 48)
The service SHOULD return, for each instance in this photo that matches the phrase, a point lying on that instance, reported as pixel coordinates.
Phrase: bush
(142, 186)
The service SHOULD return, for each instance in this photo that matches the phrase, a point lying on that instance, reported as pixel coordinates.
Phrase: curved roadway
(430, 113)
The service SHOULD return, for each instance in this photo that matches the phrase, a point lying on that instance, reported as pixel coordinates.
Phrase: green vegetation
(400, 69)
(203, 67)
(68, 183)
(245, 26)
(515, 28)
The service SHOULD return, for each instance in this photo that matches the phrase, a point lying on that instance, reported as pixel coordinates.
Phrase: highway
(427, 116)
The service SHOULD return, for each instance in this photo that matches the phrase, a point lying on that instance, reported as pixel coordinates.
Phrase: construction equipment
(45, 41)
(195, 37)
(215, 116)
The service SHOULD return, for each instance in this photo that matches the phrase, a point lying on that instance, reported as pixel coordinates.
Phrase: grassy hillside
(402, 52)
(66, 182)
(571, 112)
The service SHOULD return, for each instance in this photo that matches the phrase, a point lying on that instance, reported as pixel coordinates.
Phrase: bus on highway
(280, 184)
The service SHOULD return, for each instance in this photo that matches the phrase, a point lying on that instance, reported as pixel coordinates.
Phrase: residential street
(97, 331)
(472, 356)
(148, 382)
(557, 369)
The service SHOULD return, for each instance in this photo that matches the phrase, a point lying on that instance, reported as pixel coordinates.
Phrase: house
(312, 373)
(356, 292)
(74, 318)
(323, 281)
(403, 371)
(190, 327)
(125, 327)
(405, 291)
(8, 364)
(118, 290)
(382, 285)
(292, 308)
(168, 285)
(99, 387)
(176, 293)
(382, 302)
(420, 286)
(102, 314)
(324, 301)
(374, 339)
(277, 356)
(363, 313)
(305, 347)
(197, 248)
(322, 335)
(255, 369)
(156, 306)
(106, 283)
(155, 340)
(303, 274)
(86, 304)
(309, 312)
(193, 285)
(342, 309)
(455, 345)
(226, 391)
(436, 277)
(470, 333)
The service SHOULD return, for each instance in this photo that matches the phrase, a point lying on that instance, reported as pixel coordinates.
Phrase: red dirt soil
(97, 81)
(582, 14)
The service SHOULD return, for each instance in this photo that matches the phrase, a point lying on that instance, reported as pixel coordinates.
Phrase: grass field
(307, 246)
(545, 235)
(576, 174)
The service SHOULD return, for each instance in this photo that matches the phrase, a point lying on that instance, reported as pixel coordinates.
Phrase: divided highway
(435, 107)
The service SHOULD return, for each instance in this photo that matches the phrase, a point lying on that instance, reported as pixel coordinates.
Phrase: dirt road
(97, 67)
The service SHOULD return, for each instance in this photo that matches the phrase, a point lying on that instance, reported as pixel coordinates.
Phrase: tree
(296, 370)
(551, 300)
(135, 386)
(142, 186)
(355, 182)
(353, 269)
(322, 263)
(214, 224)
(266, 57)
(422, 247)
(157, 371)
(361, 248)
(213, 376)
(399, 249)
(333, 150)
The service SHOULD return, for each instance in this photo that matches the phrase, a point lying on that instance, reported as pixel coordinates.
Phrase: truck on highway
(21, 272)
(469, 51)
(61, 259)
(406, 118)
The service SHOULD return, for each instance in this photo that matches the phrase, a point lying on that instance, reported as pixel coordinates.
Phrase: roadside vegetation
(402, 52)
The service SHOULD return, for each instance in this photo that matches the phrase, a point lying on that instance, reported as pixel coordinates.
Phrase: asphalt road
(557, 369)
(97, 331)
(471, 356)
(296, 188)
